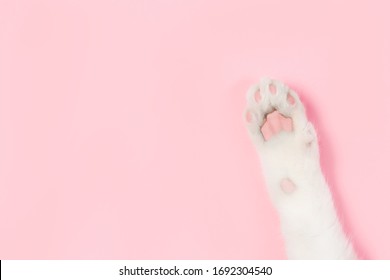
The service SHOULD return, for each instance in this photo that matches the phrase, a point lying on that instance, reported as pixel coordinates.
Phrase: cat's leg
(288, 149)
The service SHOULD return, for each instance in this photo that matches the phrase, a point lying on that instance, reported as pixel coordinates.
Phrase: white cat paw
(269, 97)
(285, 139)
(288, 148)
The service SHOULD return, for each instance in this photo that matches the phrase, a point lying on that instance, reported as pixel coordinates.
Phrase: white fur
(308, 219)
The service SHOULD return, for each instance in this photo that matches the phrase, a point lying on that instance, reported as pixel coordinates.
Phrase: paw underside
(278, 126)
(288, 148)
(272, 108)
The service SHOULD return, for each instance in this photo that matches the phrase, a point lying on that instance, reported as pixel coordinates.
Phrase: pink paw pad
(257, 96)
(272, 88)
(287, 186)
(248, 116)
(275, 123)
(290, 99)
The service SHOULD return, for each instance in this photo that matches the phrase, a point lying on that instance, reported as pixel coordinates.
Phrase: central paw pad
(274, 123)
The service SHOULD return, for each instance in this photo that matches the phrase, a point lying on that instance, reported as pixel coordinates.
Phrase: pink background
(122, 132)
